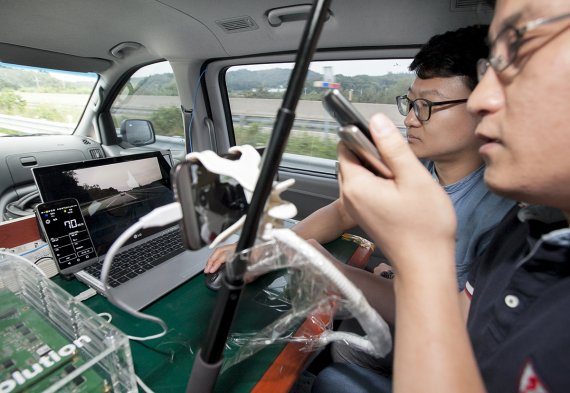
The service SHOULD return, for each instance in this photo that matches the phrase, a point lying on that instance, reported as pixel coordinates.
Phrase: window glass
(42, 101)
(256, 92)
(151, 94)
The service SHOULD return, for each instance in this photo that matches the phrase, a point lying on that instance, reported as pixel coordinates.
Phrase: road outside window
(256, 92)
(42, 101)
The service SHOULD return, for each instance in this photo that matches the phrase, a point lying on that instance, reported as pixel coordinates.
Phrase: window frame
(105, 117)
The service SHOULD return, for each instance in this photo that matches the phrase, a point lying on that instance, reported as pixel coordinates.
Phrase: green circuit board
(34, 354)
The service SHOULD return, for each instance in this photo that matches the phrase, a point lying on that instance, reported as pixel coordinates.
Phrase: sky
(73, 76)
(66, 76)
(347, 68)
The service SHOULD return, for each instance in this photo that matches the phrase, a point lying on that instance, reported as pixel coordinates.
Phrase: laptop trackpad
(151, 285)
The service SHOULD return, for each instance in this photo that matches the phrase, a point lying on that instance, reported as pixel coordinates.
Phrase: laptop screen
(113, 192)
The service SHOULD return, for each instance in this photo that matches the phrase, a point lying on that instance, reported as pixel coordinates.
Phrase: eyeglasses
(505, 47)
(422, 107)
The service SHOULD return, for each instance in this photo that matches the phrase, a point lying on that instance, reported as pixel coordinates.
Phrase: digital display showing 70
(66, 233)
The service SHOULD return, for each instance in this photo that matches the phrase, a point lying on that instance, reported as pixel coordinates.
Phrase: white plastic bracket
(245, 170)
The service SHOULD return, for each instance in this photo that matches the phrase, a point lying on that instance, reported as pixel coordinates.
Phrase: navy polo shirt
(519, 320)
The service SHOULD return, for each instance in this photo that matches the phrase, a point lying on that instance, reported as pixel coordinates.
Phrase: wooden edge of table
(285, 369)
(360, 257)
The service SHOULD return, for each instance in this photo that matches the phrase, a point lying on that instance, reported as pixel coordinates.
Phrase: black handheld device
(354, 131)
(210, 202)
(64, 229)
(344, 112)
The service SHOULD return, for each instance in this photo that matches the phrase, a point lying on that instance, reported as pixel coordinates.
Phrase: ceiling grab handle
(120, 50)
(277, 16)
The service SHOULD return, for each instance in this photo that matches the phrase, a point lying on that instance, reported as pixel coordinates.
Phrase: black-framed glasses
(422, 107)
(504, 49)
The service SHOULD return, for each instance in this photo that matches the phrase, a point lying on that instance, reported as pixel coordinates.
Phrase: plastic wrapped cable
(313, 290)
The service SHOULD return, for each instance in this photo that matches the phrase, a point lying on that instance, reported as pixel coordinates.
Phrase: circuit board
(34, 354)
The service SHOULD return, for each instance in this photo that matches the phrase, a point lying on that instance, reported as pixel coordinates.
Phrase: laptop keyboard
(137, 260)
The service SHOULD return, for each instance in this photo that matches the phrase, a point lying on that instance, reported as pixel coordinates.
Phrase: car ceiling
(83, 32)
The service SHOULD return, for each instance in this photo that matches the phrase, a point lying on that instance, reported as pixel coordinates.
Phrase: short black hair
(454, 53)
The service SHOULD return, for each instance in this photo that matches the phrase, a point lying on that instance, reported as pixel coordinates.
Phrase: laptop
(113, 194)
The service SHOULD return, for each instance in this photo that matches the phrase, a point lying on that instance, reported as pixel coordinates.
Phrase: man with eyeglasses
(440, 132)
(517, 297)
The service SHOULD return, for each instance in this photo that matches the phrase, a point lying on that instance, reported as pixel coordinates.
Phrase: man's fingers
(349, 163)
(215, 266)
(352, 176)
(345, 153)
(212, 262)
(218, 258)
(393, 149)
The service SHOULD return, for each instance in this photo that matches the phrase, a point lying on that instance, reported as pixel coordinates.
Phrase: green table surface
(164, 364)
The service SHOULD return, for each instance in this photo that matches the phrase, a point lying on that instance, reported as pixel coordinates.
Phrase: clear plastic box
(50, 342)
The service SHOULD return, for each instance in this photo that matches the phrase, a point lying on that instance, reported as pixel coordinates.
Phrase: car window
(151, 94)
(255, 94)
(42, 101)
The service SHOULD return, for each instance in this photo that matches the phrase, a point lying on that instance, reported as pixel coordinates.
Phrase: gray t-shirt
(478, 212)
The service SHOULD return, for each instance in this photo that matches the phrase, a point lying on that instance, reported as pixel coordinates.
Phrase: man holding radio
(518, 294)
(441, 133)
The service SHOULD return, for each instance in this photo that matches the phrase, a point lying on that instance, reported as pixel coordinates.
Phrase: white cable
(87, 294)
(25, 260)
(377, 330)
(143, 385)
(162, 216)
(106, 315)
(159, 217)
(356, 341)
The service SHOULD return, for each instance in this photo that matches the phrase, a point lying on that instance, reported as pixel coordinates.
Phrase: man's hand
(409, 216)
(219, 257)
